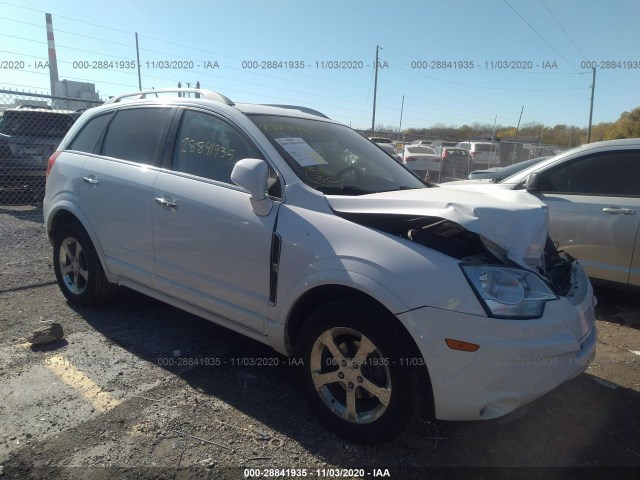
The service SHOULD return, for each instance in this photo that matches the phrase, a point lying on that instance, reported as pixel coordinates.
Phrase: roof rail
(308, 110)
(207, 94)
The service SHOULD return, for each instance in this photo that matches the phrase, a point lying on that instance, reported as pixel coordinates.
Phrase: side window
(613, 174)
(134, 134)
(209, 147)
(88, 136)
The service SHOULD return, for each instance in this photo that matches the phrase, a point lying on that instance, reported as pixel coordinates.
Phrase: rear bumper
(19, 173)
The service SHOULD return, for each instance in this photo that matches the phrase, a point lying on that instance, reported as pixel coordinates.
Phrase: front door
(211, 250)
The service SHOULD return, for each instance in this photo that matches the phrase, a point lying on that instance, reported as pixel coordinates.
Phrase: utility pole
(138, 57)
(570, 134)
(493, 136)
(375, 91)
(513, 160)
(400, 127)
(593, 87)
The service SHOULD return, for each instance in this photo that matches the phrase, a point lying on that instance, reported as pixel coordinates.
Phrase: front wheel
(357, 372)
(77, 266)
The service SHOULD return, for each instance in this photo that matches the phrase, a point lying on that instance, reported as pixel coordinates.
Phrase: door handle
(90, 180)
(166, 203)
(619, 211)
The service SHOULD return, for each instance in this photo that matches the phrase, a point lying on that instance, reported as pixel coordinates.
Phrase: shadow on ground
(583, 423)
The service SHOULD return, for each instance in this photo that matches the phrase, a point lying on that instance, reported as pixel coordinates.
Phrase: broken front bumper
(517, 362)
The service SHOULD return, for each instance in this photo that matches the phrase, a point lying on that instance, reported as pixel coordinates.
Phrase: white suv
(399, 298)
(482, 153)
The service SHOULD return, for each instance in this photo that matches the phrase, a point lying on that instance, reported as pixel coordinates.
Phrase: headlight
(509, 292)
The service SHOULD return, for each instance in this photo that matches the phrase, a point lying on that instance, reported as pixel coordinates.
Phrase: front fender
(279, 313)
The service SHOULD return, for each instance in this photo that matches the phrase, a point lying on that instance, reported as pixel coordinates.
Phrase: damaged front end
(504, 287)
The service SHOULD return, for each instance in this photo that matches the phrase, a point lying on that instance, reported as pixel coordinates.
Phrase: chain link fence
(31, 128)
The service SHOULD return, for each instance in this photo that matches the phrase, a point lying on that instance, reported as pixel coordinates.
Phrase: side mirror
(533, 183)
(252, 174)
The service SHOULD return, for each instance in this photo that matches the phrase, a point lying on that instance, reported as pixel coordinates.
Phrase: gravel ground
(138, 389)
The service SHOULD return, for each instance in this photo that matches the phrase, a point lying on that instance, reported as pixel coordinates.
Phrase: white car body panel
(119, 207)
(515, 221)
(212, 251)
(318, 248)
(424, 162)
(482, 158)
(516, 363)
(421, 161)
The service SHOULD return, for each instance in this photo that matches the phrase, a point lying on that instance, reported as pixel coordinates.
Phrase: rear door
(594, 210)
(212, 251)
(117, 189)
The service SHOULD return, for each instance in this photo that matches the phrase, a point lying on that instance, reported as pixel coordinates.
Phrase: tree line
(566, 136)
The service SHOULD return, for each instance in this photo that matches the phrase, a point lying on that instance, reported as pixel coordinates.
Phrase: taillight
(409, 159)
(474, 154)
(52, 160)
(445, 154)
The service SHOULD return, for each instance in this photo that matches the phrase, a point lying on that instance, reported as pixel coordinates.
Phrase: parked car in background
(455, 163)
(296, 231)
(440, 145)
(487, 153)
(388, 148)
(497, 174)
(593, 195)
(380, 140)
(423, 161)
(28, 137)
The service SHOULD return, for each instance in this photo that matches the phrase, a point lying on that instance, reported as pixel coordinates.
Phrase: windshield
(333, 158)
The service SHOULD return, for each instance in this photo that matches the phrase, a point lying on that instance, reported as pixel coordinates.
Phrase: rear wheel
(77, 266)
(357, 374)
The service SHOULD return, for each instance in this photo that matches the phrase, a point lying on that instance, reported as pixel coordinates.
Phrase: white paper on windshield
(301, 151)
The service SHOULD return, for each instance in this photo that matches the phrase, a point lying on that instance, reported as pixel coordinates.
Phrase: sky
(455, 62)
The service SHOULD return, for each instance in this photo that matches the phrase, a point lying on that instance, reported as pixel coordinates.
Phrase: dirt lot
(138, 389)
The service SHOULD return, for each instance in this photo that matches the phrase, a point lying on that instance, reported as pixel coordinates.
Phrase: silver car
(593, 194)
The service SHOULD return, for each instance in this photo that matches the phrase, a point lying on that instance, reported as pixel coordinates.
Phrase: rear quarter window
(134, 134)
(87, 138)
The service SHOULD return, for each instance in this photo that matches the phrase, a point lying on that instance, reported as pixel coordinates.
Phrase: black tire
(77, 266)
(402, 384)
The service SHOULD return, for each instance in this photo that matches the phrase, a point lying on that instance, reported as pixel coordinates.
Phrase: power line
(58, 30)
(195, 71)
(170, 43)
(67, 18)
(541, 36)
(63, 46)
(563, 30)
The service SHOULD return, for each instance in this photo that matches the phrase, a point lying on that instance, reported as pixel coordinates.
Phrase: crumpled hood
(512, 219)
